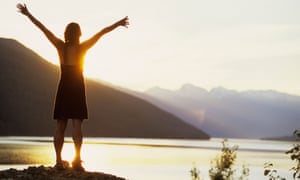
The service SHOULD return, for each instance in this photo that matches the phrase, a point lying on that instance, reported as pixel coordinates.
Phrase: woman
(70, 98)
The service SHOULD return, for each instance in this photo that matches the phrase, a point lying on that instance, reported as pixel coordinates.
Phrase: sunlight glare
(98, 66)
(94, 157)
(68, 152)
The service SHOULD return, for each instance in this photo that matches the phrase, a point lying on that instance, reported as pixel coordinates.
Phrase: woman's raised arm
(51, 37)
(90, 42)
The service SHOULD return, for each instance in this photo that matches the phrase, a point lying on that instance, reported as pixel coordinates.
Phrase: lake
(148, 159)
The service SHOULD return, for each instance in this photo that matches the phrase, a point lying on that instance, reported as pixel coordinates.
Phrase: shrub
(223, 166)
(294, 155)
(195, 173)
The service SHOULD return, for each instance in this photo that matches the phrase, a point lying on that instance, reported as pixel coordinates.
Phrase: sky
(237, 44)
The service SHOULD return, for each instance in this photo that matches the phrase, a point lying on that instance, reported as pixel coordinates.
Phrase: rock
(50, 173)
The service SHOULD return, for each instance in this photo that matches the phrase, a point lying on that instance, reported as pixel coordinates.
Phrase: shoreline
(49, 173)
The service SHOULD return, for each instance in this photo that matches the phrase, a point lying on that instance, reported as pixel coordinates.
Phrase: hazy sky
(237, 44)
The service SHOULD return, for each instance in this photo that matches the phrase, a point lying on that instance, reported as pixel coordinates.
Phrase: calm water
(147, 159)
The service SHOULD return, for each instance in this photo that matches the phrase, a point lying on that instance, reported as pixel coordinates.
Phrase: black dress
(70, 98)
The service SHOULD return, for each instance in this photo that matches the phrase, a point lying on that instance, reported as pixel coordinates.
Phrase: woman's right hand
(23, 9)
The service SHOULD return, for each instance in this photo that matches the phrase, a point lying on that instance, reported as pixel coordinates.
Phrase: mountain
(28, 87)
(227, 113)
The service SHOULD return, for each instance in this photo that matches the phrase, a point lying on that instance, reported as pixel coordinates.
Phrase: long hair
(72, 33)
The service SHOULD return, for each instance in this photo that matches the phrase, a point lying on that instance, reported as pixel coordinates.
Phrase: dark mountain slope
(28, 87)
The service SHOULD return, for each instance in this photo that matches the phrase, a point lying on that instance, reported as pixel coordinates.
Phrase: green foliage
(195, 173)
(271, 172)
(294, 155)
(245, 173)
(223, 166)
(222, 169)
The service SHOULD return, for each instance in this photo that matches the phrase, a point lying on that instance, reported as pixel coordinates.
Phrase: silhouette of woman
(70, 100)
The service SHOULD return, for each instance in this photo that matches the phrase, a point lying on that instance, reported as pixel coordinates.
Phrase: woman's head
(72, 33)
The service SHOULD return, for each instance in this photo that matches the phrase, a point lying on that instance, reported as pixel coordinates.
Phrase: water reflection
(146, 159)
(25, 154)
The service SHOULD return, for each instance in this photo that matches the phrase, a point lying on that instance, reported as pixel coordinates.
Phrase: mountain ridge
(229, 113)
(190, 88)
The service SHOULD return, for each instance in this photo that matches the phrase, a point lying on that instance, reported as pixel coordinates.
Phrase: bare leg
(77, 138)
(59, 138)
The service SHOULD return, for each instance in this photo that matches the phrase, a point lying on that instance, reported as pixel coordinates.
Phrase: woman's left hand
(124, 22)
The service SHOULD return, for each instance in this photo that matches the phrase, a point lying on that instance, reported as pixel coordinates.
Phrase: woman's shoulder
(60, 46)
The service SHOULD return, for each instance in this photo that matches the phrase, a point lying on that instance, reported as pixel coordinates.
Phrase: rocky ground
(50, 173)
